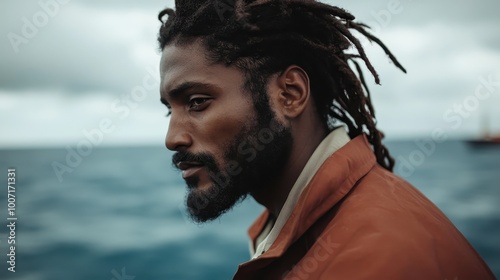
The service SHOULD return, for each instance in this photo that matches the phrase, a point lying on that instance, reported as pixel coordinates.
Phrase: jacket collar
(335, 140)
(334, 179)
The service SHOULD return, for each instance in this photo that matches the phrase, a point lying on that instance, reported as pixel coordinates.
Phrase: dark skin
(209, 106)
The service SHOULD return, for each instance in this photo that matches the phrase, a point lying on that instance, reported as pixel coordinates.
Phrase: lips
(189, 168)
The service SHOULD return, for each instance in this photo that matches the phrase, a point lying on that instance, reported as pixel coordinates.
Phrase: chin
(207, 202)
(201, 202)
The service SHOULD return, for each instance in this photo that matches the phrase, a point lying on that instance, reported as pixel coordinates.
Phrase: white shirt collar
(332, 142)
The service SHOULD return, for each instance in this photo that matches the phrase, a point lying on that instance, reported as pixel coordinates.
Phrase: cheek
(217, 130)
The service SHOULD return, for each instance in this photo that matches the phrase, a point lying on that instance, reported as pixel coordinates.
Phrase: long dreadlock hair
(264, 37)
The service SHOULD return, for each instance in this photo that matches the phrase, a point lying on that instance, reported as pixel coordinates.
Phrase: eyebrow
(184, 87)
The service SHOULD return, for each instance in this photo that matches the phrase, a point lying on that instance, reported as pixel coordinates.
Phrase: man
(260, 95)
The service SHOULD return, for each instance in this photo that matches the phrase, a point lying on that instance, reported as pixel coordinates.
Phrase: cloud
(413, 12)
(445, 46)
(91, 53)
(58, 120)
(82, 48)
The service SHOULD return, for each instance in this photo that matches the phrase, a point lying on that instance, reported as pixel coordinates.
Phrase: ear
(294, 91)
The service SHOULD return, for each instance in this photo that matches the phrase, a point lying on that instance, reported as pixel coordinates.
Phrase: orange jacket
(355, 220)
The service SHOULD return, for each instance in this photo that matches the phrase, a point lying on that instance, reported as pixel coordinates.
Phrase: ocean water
(119, 213)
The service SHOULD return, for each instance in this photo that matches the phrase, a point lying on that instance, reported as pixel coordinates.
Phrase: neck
(274, 195)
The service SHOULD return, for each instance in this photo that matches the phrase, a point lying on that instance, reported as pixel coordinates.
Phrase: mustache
(202, 158)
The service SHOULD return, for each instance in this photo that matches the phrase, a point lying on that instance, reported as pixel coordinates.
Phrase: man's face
(224, 147)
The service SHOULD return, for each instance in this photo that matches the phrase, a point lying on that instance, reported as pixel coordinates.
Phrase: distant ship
(487, 140)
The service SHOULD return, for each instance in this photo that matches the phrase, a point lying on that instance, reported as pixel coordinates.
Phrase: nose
(178, 136)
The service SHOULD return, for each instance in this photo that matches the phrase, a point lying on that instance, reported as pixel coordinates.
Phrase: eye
(199, 103)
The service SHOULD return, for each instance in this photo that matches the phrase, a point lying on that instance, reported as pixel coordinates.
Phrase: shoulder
(386, 228)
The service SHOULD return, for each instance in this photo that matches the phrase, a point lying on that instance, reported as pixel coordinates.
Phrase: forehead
(184, 63)
(175, 57)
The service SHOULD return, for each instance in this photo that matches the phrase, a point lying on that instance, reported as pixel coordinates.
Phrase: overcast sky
(69, 69)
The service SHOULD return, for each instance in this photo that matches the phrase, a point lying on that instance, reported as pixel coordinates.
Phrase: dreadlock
(264, 37)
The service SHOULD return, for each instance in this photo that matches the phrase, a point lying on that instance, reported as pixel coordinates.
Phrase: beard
(253, 159)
